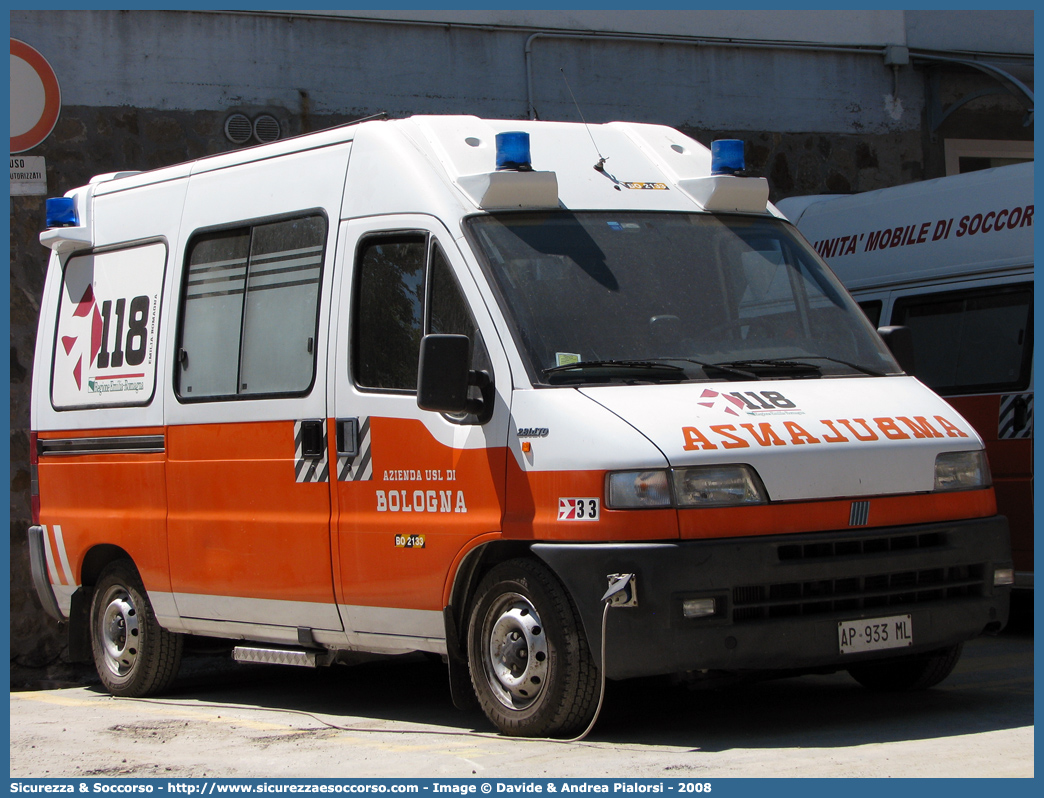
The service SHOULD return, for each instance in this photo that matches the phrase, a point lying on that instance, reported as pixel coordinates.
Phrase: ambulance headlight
(638, 489)
(718, 486)
(962, 471)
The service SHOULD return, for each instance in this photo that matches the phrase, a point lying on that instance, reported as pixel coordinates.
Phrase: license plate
(875, 634)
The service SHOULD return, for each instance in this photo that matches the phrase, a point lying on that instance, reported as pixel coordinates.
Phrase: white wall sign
(28, 176)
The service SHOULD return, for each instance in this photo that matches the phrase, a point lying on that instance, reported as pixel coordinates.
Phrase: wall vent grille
(266, 128)
(238, 129)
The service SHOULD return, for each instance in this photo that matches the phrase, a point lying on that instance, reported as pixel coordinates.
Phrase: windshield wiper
(785, 363)
(652, 363)
(728, 368)
(603, 369)
(777, 364)
(856, 366)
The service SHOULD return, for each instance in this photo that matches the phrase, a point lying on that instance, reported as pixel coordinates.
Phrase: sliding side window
(250, 311)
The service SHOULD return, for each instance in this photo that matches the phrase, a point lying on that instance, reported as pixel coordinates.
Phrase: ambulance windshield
(661, 297)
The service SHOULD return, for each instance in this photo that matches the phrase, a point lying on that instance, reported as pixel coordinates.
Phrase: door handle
(312, 438)
(347, 437)
(1021, 415)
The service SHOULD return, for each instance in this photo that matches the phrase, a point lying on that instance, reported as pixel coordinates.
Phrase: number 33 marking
(581, 509)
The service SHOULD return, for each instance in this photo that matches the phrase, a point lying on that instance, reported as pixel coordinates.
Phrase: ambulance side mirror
(443, 374)
(899, 340)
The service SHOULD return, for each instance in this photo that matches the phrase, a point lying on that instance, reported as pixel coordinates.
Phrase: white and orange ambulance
(459, 386)
(952, 259)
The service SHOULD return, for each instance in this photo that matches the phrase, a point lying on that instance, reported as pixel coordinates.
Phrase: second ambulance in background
(952, 259)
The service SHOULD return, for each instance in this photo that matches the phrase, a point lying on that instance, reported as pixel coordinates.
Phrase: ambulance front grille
(876, 591)
(861, 545)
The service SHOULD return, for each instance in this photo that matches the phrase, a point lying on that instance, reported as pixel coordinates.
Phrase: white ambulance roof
(647, 167)
(121, 181)
(975, 223)
(454, 148)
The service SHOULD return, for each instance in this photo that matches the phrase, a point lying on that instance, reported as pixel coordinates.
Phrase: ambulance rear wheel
(530, 664)
(904, 674)
(133, 654)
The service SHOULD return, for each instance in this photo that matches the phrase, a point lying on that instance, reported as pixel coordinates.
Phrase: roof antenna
(600, 166)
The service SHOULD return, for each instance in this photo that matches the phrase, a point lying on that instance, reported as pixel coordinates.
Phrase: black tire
(133, 654)
(905, 674)
(529, 660)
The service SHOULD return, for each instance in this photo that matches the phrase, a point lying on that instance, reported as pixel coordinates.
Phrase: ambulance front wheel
(133, 654)
(530, 664)
(903, 674)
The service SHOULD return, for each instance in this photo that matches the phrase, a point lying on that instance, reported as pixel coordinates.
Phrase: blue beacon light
(513, 152)
(727, 157)
(61, 212)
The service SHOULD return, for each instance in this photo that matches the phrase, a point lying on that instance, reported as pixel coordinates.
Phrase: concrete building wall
(346, 67)
(970, 30)
(146, 89)
(1008, 32)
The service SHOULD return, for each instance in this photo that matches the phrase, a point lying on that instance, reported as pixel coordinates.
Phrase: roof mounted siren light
(68, 222)
(514, 185)
(726, 188)
(727, 157)
(513, 152)
(61, 212)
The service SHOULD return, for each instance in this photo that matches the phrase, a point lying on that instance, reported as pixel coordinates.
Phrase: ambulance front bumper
(778, 600)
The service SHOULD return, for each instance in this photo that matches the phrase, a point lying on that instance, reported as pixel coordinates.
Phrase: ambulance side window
(448, 312)
(974, 341)
(872, 309)
(389, 311)
(250, 311)
(212, 314)
(404, 289)
(282, 302)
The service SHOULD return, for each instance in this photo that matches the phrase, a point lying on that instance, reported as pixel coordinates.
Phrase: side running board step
(281, 656)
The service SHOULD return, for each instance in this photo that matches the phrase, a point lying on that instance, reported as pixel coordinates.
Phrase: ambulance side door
(413, 487)
(247, 473)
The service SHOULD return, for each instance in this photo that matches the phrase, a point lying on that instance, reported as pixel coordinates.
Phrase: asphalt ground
(394, 718)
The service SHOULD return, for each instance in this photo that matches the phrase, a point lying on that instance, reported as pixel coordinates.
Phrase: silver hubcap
(120, 635)
(516, 661)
